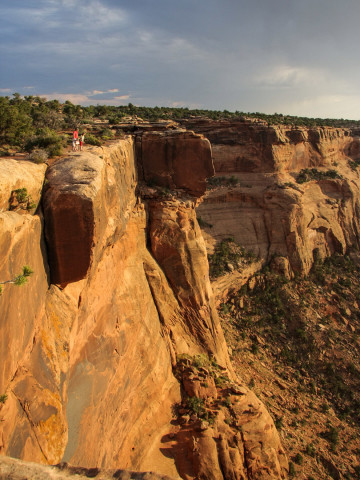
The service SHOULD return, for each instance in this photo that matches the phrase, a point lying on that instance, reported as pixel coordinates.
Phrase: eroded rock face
(17, 174)
(252, 146)
(175, 159)
(22, 308)
(266, 210)
(88, 199)
(12, 469)
(130, 291)
(225, 430)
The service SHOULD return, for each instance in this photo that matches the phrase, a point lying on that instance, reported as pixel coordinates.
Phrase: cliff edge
(113, 355)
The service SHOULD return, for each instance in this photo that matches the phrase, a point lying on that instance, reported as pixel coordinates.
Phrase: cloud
(76, 98)
(255, 55)
(289, 76)
(326, 106)
(87, 98)
(101, 92)
(122, 97)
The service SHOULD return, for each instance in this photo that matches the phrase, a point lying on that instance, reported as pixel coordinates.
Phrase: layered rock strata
(265, 209)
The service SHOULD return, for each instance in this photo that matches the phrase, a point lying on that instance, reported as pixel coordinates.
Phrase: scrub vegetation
(31, 122)
(297, 342)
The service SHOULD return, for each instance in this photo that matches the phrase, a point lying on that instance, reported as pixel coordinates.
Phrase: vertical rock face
(92, 381)
(171, 159)
(265, 209)
(252, 146)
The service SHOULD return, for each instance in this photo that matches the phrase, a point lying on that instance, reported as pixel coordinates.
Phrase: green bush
(292, 470)
(196, 405)
(332, 436)
(227, 252)
(38, 155)
(21, 195)
(48, 140)
(222, 181)
(20, 279)
(92, 140)
(279, 423)
(310, 450)
(107, 134)
(3, 398)
(307, 174)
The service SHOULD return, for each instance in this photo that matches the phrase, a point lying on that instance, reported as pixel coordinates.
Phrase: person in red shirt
(75, 135)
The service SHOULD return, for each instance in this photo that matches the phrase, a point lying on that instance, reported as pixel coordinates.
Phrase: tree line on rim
(31, 122)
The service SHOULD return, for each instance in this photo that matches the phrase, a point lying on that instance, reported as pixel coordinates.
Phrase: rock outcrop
(89, 345)
(265, 209)
(171, 159)
(20, 174)
(12, 469)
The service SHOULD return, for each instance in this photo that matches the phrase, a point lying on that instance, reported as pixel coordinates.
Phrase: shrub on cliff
(20, 199)
(20, 279)
(107, 134)
(46, 139)
(38, 155)
(222, 181)
(308, 174)
(227, 256)
(92, 140)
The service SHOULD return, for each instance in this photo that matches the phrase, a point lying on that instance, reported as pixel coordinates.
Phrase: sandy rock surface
(15, 174)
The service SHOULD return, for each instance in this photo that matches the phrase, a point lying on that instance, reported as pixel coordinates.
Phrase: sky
(296, 57)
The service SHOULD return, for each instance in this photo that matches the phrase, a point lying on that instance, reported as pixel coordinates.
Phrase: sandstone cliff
(265, 209)
(90, 346)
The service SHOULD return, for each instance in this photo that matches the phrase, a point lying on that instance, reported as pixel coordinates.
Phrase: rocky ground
(296, 344)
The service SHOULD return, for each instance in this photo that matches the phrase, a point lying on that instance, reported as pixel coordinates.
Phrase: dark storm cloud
(292, 56)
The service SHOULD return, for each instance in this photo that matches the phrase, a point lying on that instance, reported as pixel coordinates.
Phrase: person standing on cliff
(82, 139)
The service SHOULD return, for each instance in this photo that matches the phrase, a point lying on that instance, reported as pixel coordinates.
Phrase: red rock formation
(92, 381)
(13, 469)
(17, 174)
(172, 159)
(267, 211)
(252, 146)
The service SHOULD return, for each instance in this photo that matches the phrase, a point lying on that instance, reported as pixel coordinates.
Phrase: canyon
(117, 329)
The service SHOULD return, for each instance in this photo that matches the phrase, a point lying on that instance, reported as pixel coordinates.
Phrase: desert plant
(20, 199)
(46, 139)
(310, 450)
(19, 279)
(3, 398)
(203, 223)
(21, 195)
(332, 436)
(92, 140)
(279, 423)
(38, 155)
(107, 134)
(308, 174)
(196, 405)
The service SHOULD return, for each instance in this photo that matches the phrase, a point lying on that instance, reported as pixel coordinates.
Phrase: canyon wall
(90, 346)
(265, 209)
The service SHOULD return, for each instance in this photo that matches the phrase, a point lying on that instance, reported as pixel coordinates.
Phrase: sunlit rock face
(265, 209)
(120, 289)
